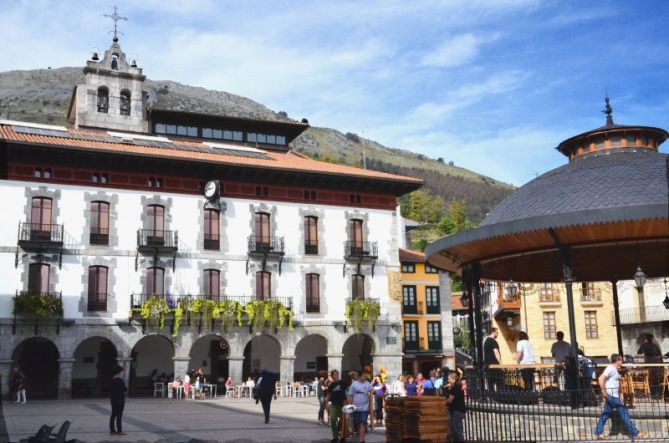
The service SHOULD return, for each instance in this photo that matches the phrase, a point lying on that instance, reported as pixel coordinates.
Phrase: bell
(95, 57)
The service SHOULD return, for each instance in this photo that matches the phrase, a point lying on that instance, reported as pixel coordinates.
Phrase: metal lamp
(666, 295)
(464, 300)
(639, 277)
(511, 289)
(509, 321)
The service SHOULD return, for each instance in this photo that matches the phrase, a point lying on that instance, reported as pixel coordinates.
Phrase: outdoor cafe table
(242, 389)
(211, 388)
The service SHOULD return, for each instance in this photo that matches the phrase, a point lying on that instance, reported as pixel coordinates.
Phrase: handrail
(361, 249)
(157, 238)
(265, 245)
(40, 232)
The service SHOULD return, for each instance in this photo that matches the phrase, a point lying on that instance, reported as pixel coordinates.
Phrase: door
(411, 335)
(40, 219)
(355, 237)
(38, 278)
(262, 232)
(409, 300)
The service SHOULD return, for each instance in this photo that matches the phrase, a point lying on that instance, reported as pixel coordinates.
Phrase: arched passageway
(210, 353)
(358, 351)
(151, 353)
(310, 357)
(262, 352)
(38, 359)
(94, 360)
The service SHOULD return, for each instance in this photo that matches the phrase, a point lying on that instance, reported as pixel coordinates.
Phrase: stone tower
(112, 96)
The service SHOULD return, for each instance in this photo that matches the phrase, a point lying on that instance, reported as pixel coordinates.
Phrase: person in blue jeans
(609, 383)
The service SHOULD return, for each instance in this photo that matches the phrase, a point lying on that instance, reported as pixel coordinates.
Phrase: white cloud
(459, 50)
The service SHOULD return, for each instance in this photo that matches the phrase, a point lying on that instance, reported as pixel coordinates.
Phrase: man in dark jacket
(117, 401)
(266, 390)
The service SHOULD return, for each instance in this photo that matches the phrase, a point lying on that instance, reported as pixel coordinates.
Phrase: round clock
(210, 189)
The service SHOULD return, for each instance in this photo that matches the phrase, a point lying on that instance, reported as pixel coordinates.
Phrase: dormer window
(125, 102)
(103, 99)
(114, 61)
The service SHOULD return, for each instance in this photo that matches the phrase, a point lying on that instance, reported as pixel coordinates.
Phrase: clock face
(210, 189)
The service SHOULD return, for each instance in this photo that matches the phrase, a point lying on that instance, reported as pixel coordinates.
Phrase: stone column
(5, 376)
(392, 363)
(180, 366)
(125, 363)
(65, 378)
(334, 361)
(235, 369)
(287, 368)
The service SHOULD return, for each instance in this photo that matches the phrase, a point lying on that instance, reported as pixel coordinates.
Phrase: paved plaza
(157, 419)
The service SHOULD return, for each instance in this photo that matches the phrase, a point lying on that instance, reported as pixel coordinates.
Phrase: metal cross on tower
(116, 18)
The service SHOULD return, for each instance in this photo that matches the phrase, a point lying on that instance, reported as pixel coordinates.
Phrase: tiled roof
(408, 255)
(289, 161)
(456, 304)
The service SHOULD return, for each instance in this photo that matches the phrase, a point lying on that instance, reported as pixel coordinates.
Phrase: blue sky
(493, 85)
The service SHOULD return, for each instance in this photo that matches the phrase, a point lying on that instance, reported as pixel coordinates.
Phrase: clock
(211, 189)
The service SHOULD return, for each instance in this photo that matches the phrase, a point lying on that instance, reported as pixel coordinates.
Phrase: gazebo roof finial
(608, 110)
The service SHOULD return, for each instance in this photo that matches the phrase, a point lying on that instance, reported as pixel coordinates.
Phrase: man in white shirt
(609, 383)
(525, 356)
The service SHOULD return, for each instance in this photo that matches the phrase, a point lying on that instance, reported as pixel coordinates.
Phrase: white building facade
(108, 219)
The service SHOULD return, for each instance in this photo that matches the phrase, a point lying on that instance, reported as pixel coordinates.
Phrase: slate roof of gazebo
(610, 206)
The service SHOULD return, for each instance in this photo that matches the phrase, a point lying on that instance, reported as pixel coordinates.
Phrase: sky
(492, 85)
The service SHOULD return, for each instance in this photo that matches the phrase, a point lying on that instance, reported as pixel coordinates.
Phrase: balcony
(651, 314)
(97, 302)
(99, 236)
(311, 248)
(151, 240)
(212, 242)
(591, 297)
(433, 309)
(357, 250)
(413, 345)
(137, 300)
(409, 309)
(39, 306)
(435, 345)
(34, 236)
(549, 297)
(260, 245)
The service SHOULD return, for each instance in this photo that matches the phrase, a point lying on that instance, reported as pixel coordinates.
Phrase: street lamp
(666, 295)
(511, 290)
(464, 300)
(639, 278)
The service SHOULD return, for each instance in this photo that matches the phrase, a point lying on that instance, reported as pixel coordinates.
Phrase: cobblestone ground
(157, 419)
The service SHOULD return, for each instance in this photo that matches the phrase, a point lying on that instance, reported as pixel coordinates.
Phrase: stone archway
(94, 360)
(261, 352)
(210, 353)
(38, 359)
(310, 356)
(358, 350)
(150, 353)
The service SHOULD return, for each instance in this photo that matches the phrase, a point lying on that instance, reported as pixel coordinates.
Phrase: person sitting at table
(525, 356)
(228, 384)
(174, 386)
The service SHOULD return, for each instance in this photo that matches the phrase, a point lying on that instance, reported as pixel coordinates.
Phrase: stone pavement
(158, 419)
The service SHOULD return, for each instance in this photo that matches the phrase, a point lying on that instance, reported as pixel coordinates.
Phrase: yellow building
(422, 322)
(541, 310)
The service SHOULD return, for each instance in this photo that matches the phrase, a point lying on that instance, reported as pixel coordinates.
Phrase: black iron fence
(361, 249)
(39, 232)
(264, 245)
(136, 300)
(97, 301)
(152, 238)
(647, 314)
(545, 404)
(99, 236)
(212, 241)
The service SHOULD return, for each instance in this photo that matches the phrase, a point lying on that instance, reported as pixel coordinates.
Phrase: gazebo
(603, 216)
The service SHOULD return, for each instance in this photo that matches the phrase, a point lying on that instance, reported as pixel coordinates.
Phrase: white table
(211, 388)
(242, 390)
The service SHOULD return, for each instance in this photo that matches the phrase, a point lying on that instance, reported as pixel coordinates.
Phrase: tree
(440, 159)
(456, 219)
(283, 113)
(461, 341)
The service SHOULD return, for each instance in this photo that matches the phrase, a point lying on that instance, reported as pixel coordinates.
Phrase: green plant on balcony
(358, 311)
(39, 306)
(153, 311)
(268, 313)
(205, 308)
(227, 311)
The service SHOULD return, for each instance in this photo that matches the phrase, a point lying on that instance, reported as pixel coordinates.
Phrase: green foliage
(227, 311)
(462, 340)
(268, 313)
(358, 311)
(39, 306)
(153, 311)
(456, 219)
(456, 283)
(205, 308)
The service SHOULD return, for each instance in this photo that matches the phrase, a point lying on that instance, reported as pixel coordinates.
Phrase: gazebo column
(616, 313)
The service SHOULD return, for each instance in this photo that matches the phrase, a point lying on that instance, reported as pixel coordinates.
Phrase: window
(104, 179)
(262, 231)
(549, 325)
(47, 173)
(309, 195)
(434, 335)
(263, 285)
(411, 334)
(125, 102)
(355, 237)
(431, 270)
(358, 287)
(99, 223)
(103, 100)
(212, 284)
(262, 191)
(432, 300)
(97, 288)
(160, 128)
(408, 268)
(159, 182)
(588, 292)
(155, 281)
(409, 305)
(313, 293)
(38, 278)
(211, 229)
(311, 235)
(591, 324)
(40, 218)
(156, 220)
(38, 172)
(207, 133)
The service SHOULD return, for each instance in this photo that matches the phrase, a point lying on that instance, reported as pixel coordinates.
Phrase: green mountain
(43, 95)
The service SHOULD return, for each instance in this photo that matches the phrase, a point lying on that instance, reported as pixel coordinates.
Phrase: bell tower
(112, 96)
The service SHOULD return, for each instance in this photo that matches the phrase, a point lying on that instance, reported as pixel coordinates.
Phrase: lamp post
(511, 290)
(666, 295)
(639, 281)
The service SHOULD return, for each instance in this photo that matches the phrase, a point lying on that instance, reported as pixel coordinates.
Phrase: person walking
(266, 390)
(20, 386)
(525, 356)
(491, 356)
(609, 383)
(358, 395)
(117, 393)
(379, 392)
(336, 396)
(456, 407)
(321, 394)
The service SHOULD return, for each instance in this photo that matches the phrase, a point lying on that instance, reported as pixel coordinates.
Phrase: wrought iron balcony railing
(357, 249)
(265, 245)
(97, 301)
(591, 295)
(40, 233)
(157, 239)
(311, 248)
(99, 236)
(212, 241)
(650, 314)
(136, 300)
(549, 297)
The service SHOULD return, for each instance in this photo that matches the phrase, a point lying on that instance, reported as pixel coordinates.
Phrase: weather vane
(116, 18)
(608, 110)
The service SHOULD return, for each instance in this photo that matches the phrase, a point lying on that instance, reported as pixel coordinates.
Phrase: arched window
(311, 235)
(114, 61)
(97, 288)
(212, 284)
(313, 293)
(125, 102)
(103, 99)
(263, 285)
